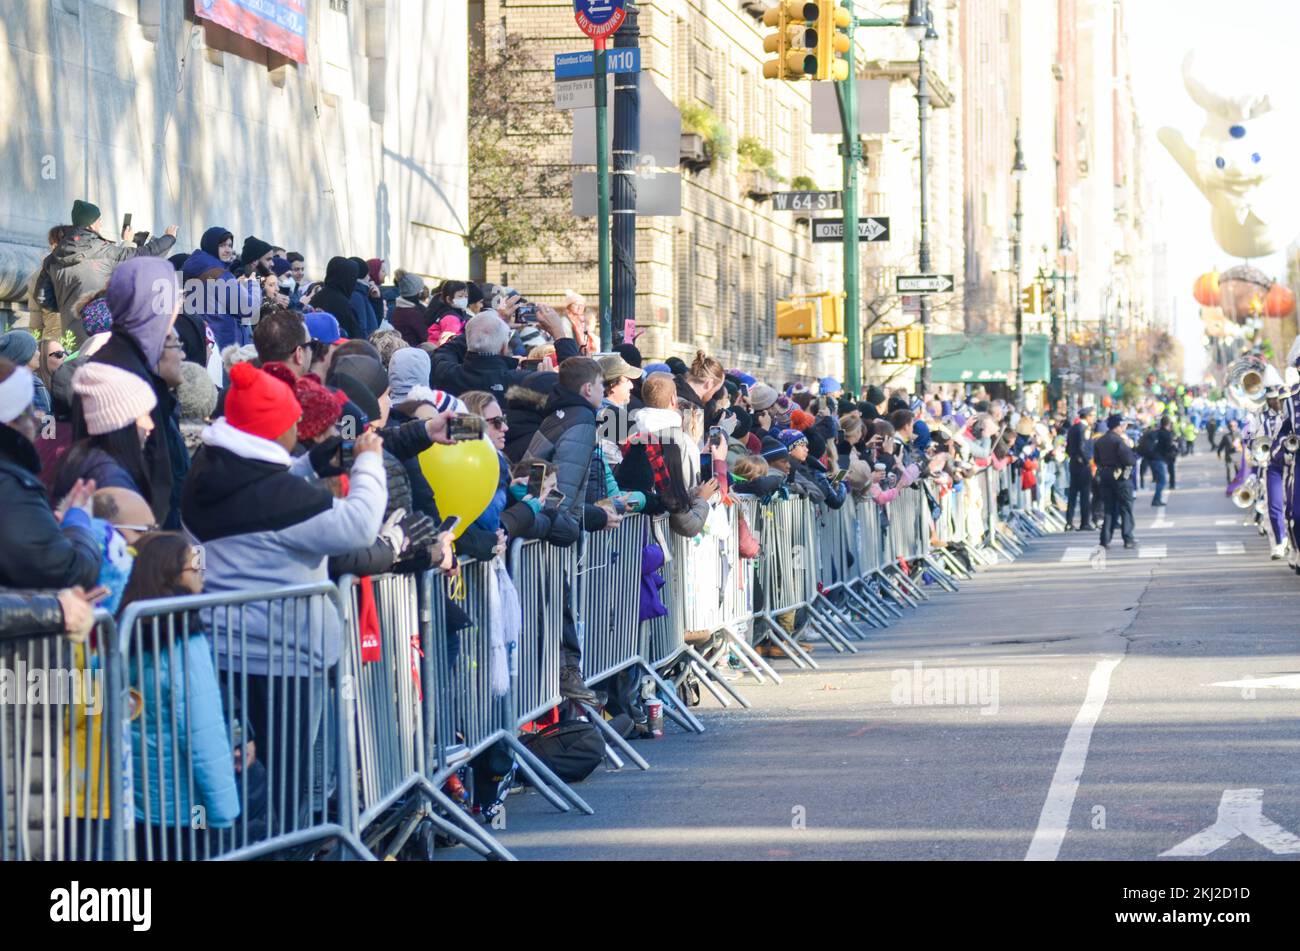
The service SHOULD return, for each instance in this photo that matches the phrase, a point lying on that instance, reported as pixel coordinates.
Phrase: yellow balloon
(464, 477)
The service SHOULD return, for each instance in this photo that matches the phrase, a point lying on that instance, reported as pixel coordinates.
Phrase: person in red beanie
(265, 521)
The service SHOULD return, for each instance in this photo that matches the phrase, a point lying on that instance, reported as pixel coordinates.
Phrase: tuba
(1247, 493)
(1261, 450)
(1245, 383)
(1291, 445)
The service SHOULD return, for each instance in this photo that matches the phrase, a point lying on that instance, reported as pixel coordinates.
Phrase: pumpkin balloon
(1206, 289)
(463, 477)
(1279, 301)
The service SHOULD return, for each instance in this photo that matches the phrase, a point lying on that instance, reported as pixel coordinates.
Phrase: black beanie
(178, 260)
(365, 370)
(254, 249)
(363, 269)
(896, 403)
(875, 395)
(474, 292)
(630, 354)
(677, 366)
(84, 214)
(869, 411)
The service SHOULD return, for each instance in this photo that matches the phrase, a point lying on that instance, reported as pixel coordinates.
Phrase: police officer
(1115, 461)
(1078, 449)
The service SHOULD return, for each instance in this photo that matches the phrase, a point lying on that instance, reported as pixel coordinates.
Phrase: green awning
(986, 358)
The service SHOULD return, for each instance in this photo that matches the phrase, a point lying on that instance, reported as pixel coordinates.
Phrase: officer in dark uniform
(1115, 463)
(1078, 449)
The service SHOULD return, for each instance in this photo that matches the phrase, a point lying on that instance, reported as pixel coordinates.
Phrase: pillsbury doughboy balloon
(1244, 163)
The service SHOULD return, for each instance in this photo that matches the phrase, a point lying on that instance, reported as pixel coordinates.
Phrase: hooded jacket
(136, 345)
(263, 525)
(335, 296)
(38, 552)
(218, 298)
(660, 430)
(82, 263)
(525, 410)
(411, 321)
(567, 437)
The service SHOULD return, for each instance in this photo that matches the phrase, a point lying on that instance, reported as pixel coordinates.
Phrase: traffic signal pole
(602, 197)
(846, 94)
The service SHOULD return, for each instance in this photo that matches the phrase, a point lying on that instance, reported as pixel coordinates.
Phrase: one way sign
(923, 283)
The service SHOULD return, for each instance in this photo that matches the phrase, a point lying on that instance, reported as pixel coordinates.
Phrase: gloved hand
(421, 531)
(392, 534)
(323, 456)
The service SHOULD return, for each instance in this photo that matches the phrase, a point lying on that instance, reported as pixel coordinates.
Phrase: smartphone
(126, 223)
(347, 453)
(465, 427)
(555, 500)
(449, 524)
(536, 479)
(839, 477)
(706, 467)
(717, 437)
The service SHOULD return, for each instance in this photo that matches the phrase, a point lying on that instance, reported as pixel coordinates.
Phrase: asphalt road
(1096, 728)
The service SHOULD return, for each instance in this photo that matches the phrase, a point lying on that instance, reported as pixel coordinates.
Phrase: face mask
(460, 303)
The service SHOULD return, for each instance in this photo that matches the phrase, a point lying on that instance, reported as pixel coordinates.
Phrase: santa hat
(259, 404)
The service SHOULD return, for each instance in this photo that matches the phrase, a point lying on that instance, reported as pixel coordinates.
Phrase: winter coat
(38, 551)
(660, 430)
(201, 741)
(29, 614)
(264, 523)
(98, 465)
(363, 309)
(410, 320)
(457, 371)
(335, 296)
(525, 410)
(216, 296)
(82, 263)
(567, 437)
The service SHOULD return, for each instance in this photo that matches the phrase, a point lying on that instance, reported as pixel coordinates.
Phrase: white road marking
(1161, 523)
(1153, 551)
(1241, 812)
(1074, 554)
(1221, 522)
(1054, 820)
(1283, 681)
(1230, 548)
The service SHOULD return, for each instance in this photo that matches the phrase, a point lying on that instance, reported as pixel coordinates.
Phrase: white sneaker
(1279, 552)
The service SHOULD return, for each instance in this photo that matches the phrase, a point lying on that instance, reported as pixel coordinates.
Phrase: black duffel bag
(572, 749)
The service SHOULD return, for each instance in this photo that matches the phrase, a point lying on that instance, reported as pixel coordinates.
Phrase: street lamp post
(1018, 174)
(920, 26)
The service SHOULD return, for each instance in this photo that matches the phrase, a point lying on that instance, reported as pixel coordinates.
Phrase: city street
(1180, 651)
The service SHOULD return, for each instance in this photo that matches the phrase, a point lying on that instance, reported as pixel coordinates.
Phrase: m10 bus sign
(599, 18)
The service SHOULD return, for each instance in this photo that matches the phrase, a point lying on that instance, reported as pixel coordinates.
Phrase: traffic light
(1031, 299)
(794, 43)
(831, 44)
(796, 319)
(914, 342)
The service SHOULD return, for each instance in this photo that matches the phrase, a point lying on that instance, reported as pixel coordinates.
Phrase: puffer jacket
(81, 265)
(201, 741)
(38, 551)
(29, 614)
(567, 437)
(525, 410)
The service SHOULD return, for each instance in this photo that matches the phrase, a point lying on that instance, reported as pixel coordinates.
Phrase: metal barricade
(540, 572)
(239, 743)
(63, 785)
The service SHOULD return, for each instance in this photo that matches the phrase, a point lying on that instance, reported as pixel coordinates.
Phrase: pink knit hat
(111, 398)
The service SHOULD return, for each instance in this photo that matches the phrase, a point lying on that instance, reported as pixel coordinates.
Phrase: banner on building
(280, 25)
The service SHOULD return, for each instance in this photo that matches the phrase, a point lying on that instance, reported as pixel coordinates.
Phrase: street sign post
(583, 62)
(806, 201)
(575, 93)
(599, 19)
(873, 229)
(923, 283)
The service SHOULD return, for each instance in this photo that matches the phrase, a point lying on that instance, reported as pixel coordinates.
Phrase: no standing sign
(599, 18)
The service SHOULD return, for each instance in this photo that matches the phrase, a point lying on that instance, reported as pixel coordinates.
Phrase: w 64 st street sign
(805, 201)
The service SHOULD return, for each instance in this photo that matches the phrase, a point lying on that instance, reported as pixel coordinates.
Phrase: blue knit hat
(791, 438)
(829, 385)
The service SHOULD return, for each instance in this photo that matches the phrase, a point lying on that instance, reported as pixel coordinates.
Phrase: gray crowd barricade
(62, 784)
(245, 690)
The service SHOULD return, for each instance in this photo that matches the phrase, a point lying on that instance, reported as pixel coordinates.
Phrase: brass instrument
(1247, 494)
(1261, 450)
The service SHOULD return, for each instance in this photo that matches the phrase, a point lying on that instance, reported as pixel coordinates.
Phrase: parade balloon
(1206, 289)
(1241, 161)
(1279, 301)
(1241, 292)
(463, 477)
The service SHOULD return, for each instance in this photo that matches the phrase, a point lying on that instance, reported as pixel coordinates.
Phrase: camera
(526, 313)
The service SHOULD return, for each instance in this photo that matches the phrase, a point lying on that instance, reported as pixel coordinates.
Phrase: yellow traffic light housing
(794, 42)
(1031, 299)
(795, 320)
(831, 44)
(914, 343)
(811, 318)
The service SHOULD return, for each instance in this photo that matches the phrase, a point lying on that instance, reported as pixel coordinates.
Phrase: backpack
(1147, 444)
(572, 750)
(494, 773)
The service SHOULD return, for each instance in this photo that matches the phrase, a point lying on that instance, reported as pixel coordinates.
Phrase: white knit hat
(111, 398)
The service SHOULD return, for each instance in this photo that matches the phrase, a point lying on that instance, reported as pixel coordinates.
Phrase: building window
(339, 6)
